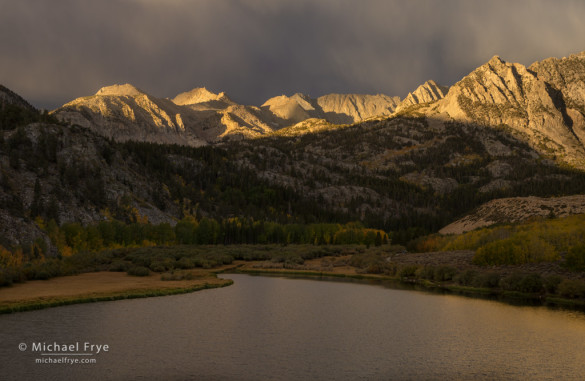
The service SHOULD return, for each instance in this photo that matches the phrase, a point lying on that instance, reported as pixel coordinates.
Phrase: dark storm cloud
(54, 51)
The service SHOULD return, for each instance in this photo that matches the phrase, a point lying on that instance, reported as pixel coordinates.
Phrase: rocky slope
(543, 105)
(353, 108)
(292, 110)
(123, 112)
(203, 98)
(516, 209)
(8, 97)
(500, 132)
(199, 116)
(407, 175)
(428, 92)
(332, 108)
(534, 103)
(69, 174)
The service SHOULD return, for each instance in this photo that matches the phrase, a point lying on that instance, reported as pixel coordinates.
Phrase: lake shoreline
(98, 287)
(504, 296)
(107, 286)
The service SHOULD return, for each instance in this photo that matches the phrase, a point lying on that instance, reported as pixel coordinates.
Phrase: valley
(123, 168)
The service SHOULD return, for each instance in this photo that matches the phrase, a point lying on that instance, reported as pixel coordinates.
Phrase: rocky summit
(199, 116)
(428, 92)
(543, 104)
(533, 103)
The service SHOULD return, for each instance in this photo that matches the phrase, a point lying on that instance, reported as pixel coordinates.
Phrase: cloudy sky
(53, 51)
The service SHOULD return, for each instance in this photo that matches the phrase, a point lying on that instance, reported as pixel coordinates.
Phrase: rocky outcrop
(200, 95)
(353, 108)
(294, 109)
(123, 112)
(333, 108)
(508, 95)
(201, 99)
(199, 116)
(543, 105)
(428, 92)
(516, 209)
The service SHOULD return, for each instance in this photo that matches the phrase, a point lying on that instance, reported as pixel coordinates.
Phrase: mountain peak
(496, 60)
(199, 95)
(120, 90)
(429, 91)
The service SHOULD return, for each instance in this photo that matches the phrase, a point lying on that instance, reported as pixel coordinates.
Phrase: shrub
(185, 263)
(465, 278)
(522, 248)
(382, 268)
(162, 264)
(531, 283)
(575, 258)
(119, 265)
(571, 288)
(426, 272)
(139, 271)
(551, 283)
(487, 280)
(444, 273)
(408, 271)
(511, 282)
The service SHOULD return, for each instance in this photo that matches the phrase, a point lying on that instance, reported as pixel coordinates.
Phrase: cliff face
(123, 112)
(428, 92)
(333, 108)
(353, 108)
(508, 95)
(199, 116)
(292, 110)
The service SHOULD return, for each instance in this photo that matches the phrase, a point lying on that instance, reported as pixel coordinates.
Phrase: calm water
(265, 328)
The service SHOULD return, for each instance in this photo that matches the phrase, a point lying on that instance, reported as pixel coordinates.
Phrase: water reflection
(285, 329)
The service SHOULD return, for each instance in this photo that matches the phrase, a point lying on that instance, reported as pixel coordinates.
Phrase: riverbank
(173, 270)
(101, 286)
(445, 272)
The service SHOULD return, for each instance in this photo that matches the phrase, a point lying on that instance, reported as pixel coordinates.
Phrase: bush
(162, 264)
(487, 280)
(522, 248)
(551, 283)
(511, 282)
(139, 271)
(408, 271)
(575, 258)
(571, 288)
(381, 268)
(465, 278)
(531, 283)
(185, 263)
(426, 272)
(119, 265)
(444, 273)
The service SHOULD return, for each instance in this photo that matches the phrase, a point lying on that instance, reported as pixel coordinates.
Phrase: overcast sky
(53, 51)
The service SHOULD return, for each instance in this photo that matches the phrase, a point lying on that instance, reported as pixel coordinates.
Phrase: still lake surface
(272, 328)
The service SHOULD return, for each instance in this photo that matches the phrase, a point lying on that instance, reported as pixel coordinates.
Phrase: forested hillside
(406, 176)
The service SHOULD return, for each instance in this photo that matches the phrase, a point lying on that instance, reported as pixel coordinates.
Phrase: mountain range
(543, 104)
(409, 166)
(200, 117)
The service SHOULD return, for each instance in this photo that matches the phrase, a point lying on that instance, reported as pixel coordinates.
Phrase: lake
(274, 328)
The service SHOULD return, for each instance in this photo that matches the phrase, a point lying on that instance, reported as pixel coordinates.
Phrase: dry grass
(100, 286)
